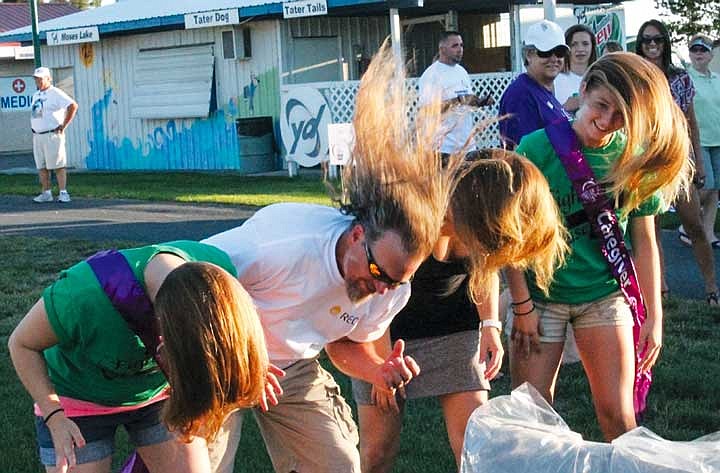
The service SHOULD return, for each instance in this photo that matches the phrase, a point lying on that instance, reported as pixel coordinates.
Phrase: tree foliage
(688, 17)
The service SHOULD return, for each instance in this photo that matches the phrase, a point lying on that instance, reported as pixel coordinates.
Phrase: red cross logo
(18, 86)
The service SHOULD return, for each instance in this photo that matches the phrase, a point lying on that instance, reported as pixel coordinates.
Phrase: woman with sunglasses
(528, 103)
(195, 353)
(707, 110)
(583, 52)
(633, 143)
(501, 214)
(653, 43)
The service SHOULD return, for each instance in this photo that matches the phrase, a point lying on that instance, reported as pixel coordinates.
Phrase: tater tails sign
(304, 8)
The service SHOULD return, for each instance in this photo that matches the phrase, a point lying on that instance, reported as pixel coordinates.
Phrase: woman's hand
(65, 436)
(387, 401)
(572, 104)
(490, 343)
(650, 340)
(526, 331)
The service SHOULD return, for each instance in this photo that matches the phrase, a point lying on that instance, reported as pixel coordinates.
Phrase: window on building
(173, 82)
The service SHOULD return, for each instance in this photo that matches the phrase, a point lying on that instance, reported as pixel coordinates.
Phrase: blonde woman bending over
(501, 213)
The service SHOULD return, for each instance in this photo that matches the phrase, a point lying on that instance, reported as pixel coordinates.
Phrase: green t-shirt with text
(586, 276)
(98, 358)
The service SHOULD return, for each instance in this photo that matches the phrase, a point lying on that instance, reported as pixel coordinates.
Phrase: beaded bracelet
(47, 417)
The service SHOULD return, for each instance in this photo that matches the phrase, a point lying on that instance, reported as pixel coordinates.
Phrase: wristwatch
(491, 323)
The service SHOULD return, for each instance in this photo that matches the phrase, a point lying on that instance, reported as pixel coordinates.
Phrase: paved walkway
(94, 219)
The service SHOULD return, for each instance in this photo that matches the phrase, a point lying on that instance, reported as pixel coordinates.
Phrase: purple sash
(603, 220)
(129, 298)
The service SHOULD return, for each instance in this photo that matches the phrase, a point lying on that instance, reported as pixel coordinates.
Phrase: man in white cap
(450, 81)
(529, 100)
(51, 111)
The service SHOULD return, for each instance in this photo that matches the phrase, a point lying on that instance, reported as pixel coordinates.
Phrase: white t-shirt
(566, 84)
(285, 258)
(450, 82)
(47, 109)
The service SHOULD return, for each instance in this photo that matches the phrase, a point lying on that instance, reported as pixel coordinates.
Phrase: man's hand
(473, 100)
(272, 388)
(397, 370)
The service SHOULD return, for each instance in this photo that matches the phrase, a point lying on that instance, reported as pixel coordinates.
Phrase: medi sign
(16, 93)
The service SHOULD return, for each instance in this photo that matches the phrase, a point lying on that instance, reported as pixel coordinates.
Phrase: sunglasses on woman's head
(660, 39)
(557, 52)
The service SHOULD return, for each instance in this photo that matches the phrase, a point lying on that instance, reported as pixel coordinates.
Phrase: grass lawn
(220, 188)
(683, 403)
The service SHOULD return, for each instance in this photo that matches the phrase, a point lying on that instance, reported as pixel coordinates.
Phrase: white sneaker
(63, 197)
(43, 197)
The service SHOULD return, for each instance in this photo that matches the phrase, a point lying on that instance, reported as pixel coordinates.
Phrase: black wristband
(519, 314)
(47, 417)
(521, 303)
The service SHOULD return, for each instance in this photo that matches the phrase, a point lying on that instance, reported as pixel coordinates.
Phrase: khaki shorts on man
(311, 420)
(49, 150)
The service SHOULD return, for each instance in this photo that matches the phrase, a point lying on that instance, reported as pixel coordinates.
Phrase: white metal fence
(339, 97)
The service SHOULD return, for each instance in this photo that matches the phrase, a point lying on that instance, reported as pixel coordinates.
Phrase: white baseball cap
(545, 36)
(42, 72)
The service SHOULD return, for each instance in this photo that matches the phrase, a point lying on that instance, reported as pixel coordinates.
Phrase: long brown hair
(504, 214)
(213, 346)
(396, 179)
(658, 144)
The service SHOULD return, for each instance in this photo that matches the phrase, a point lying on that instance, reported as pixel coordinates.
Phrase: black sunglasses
(377, 273)
(557, 52)
(660, 39)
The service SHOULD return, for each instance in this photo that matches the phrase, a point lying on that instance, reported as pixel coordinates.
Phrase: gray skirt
(448, 364)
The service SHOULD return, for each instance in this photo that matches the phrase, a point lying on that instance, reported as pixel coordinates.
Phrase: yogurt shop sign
(304, 120)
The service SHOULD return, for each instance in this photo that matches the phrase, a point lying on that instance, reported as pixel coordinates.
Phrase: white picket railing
(340, 99)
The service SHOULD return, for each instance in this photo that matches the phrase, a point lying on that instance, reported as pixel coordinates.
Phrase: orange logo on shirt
(335, 310)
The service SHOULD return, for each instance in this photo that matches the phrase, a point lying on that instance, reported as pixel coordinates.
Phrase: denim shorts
(711, 158)
(143, 427)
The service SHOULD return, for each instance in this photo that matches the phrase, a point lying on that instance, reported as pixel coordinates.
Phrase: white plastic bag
(522, 433)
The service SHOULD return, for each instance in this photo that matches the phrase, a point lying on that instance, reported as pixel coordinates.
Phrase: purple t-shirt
(531, 107)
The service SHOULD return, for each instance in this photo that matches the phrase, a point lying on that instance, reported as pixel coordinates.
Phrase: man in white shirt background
(449, 80)
(51, 111)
